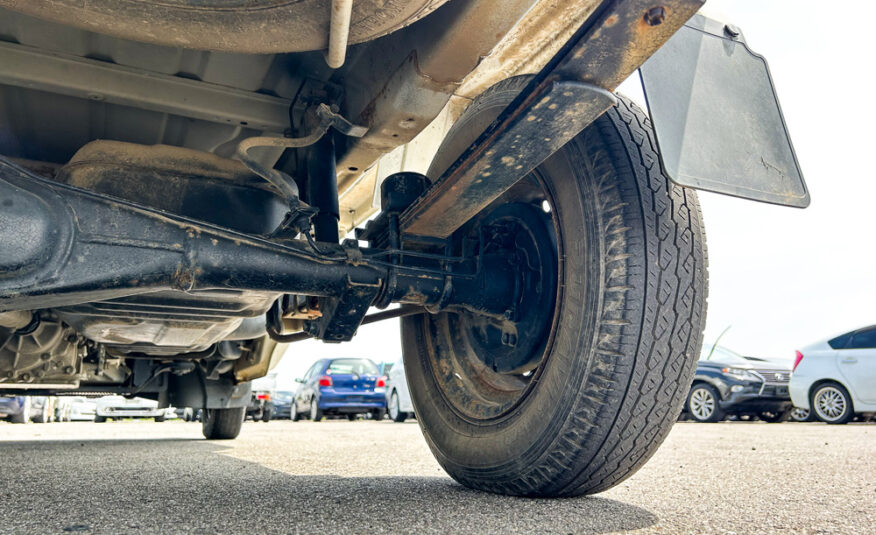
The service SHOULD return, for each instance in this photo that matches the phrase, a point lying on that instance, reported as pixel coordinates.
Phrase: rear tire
(43, 417)
(832, 404)
(315, 411)
(223, 424)
(293, 412)
(395, 412)
(607, 377)
(99, 419)
(24, 416)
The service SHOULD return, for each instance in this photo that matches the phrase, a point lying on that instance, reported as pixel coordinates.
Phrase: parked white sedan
(836, 378)
(118, 407)
(398, 398)
(76, 409)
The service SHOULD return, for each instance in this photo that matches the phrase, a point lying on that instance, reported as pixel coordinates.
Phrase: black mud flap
(717, 118)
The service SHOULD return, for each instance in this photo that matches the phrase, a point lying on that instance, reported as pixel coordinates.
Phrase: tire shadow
(190, 486)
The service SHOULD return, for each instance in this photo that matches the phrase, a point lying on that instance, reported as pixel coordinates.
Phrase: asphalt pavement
(379, 477)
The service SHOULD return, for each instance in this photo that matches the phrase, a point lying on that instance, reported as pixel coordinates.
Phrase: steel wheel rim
(393, 406)
(478, 392)
(830, 403)
(702, 403)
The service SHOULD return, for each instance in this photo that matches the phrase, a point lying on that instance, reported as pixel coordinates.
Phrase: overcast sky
(780, 278)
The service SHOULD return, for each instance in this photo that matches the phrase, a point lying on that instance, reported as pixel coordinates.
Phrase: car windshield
(722, 354)
(283, 395)
(352, 366)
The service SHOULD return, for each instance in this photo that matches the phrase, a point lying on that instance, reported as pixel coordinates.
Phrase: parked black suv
(727, 383)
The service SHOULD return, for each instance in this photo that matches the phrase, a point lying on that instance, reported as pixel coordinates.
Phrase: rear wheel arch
(817, 384)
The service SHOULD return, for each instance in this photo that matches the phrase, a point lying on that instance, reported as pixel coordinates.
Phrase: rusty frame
(608, 47)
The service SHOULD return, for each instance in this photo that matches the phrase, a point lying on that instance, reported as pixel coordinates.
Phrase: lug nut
(655, 16)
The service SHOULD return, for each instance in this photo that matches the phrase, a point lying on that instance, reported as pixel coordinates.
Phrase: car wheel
(802, 415)
(378, 414)
(352, 417)
(703, 403)
(223, 424)
(99, 419)
(775, 417)
(395, 412)
(293, 412)
(159, 419)
(608, 322)
(832, 404)
(315, 411)
(24, 416)
(43, 417)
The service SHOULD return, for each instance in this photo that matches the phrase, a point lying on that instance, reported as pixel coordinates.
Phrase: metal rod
(339, 32)
(400, 312)
(322, 189)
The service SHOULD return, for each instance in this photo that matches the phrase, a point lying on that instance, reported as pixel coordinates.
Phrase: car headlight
(741, 374)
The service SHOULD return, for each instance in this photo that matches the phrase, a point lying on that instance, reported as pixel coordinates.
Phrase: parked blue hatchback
(340, 387)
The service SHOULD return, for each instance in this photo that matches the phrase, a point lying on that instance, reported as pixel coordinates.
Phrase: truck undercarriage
(175, 202)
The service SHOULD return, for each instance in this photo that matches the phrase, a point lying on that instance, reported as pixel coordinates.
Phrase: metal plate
(717, 119)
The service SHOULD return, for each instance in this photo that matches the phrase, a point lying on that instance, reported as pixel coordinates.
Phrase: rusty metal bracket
(561, 100)
(548, 120)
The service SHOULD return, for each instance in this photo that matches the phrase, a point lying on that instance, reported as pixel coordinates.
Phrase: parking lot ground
(379, 477)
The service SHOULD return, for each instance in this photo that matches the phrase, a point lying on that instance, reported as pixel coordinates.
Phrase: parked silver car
(118, 407)
(75, 409)
(398, 397)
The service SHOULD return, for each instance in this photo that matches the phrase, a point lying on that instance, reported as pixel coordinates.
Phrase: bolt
(69, 370)
(655, 16)
(731, 31)
(71, 338)
(45, 356)
(24, 377)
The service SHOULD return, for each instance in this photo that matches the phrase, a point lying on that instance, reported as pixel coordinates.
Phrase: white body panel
(399, 383)
(119, 407)
(853, 368)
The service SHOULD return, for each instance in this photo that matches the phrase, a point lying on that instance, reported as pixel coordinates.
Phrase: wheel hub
(516, 236)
